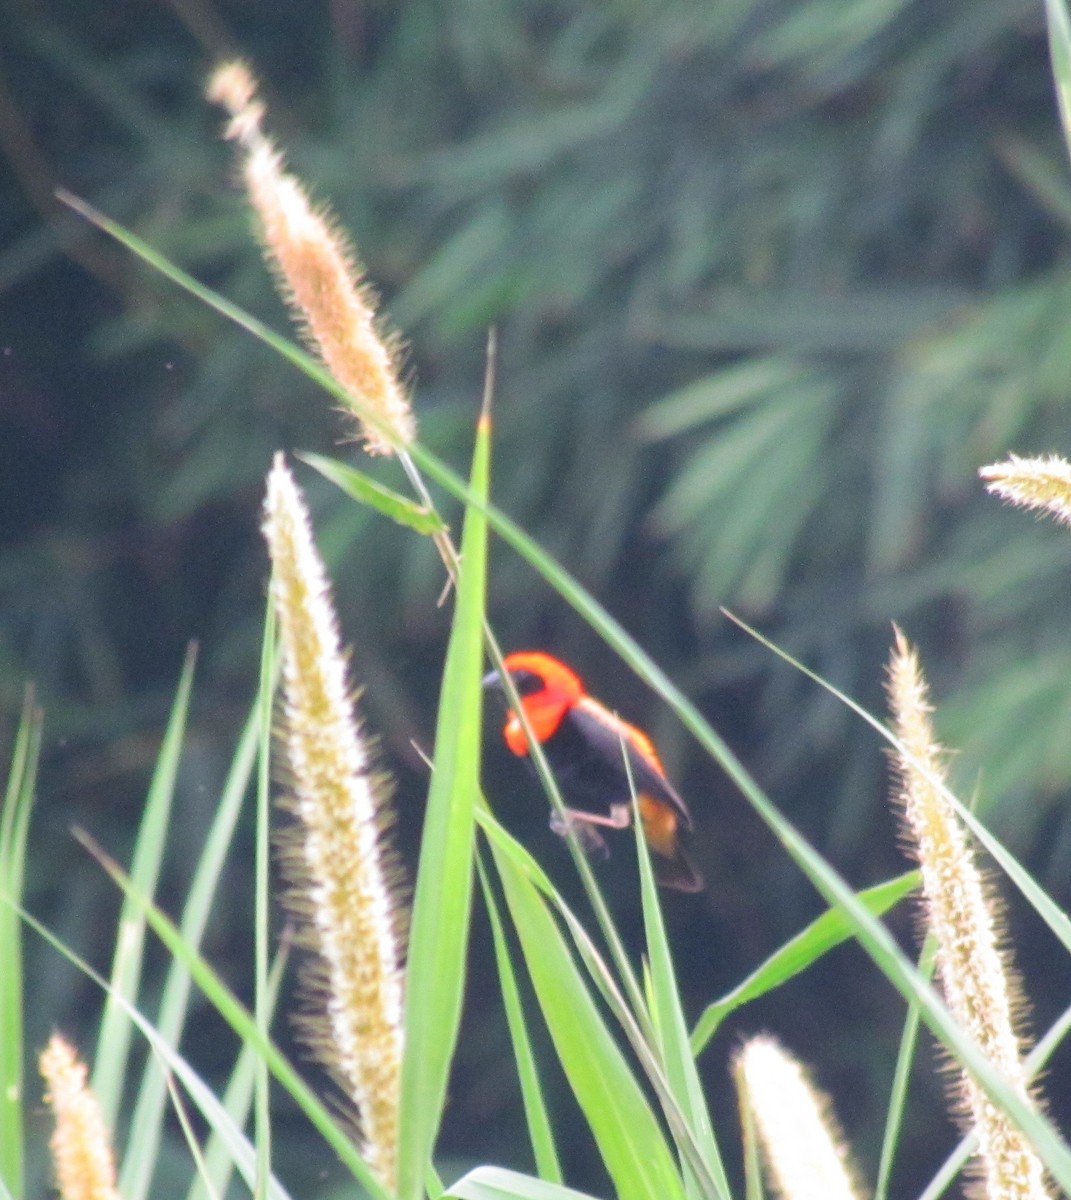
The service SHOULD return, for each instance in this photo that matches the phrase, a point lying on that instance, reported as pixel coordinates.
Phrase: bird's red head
(548, 689)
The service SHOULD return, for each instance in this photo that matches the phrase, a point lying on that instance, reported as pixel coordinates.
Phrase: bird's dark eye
(527, 683)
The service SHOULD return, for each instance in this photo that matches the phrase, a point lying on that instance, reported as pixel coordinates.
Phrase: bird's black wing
(591, 764)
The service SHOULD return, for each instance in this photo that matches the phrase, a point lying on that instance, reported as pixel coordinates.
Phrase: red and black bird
(585, 745)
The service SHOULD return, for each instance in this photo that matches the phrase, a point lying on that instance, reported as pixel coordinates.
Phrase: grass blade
(442, 901)
(797, 954)
(625, 1129)
(113, 1041)
(1060, 52)
(237, 1017)
(496, 1183)
(218, 1163)
(671, 1030)
(171, 1061)
(540, 1129)
(14, 825)
(901, 1077)
(365, 490)
(146, 1124)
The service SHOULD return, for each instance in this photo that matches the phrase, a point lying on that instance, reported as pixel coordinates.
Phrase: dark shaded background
(833, 234)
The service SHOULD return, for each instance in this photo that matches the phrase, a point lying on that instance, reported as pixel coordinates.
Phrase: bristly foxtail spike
(316, 270)
(979, 985)
(802, 1145)
(340, 866)
(82, 1160)
(1043, 484)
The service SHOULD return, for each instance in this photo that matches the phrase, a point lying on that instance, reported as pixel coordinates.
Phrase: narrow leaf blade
(443, 897)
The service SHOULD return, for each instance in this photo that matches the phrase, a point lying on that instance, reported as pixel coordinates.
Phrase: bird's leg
(592, 843)
(575, 818)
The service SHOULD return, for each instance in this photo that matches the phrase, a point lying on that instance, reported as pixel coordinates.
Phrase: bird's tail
(677, 871)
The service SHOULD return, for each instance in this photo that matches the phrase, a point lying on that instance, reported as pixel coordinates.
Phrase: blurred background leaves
(772, 279)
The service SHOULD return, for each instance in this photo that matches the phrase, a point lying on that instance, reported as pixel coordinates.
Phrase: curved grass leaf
(147, 1123)
(625, 1129)
(237, 1017)
(215, 1115)
(671, 1031)
(797, 954)
(366, 490)
(1060, 51)
(496, 1183)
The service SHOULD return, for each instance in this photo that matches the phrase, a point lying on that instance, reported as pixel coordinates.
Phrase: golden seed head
(979, 986)
(802, 1144)
(318, 274)
(1043, 484)
(337, 859)
(81, 1149)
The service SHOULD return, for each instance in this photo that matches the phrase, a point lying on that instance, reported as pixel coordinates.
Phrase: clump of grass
(643, 1106)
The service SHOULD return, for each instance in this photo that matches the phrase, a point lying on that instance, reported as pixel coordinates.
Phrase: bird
(586, 746)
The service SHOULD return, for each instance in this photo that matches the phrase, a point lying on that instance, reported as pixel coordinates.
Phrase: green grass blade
(797, 954)
(496, 1183)
(113, 1041)
(671, 1031)
(365, 490)
(146, 1125)
(540, 1129)
(264, 1002)
(443, 897)
(172, 1062)
(1060, 53)
(240, 1020)
(901, 1077)
(509, 852)
(14, 826)
(218, 1166)
(753, 1189)
(625, 1129)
